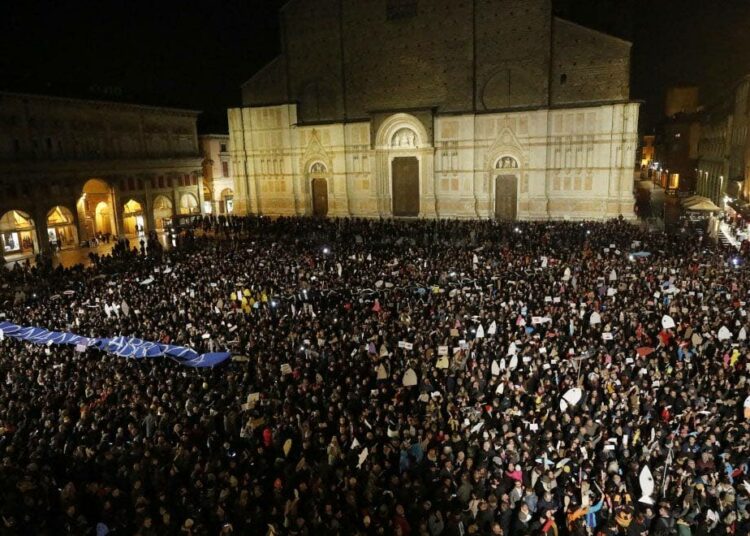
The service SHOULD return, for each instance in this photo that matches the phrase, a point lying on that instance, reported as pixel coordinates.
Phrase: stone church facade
(447, 108)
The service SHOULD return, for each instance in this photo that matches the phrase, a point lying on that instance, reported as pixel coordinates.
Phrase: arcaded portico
(72, 170)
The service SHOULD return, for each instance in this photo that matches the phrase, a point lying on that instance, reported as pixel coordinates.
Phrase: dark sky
(196, 54)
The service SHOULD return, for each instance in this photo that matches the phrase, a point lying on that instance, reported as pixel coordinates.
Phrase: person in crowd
(387, 377)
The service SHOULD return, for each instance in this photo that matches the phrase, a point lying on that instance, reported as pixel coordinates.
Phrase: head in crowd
(435, 378)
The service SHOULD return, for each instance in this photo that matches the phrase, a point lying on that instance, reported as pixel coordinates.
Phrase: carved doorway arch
(403, 163)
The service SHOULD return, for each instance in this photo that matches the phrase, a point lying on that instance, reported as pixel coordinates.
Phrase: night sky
(196, 54)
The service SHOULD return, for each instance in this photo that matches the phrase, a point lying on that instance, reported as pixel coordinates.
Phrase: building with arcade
(72, 170)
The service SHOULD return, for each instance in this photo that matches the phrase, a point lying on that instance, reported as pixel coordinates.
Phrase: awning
(693, 200)
(704, 206)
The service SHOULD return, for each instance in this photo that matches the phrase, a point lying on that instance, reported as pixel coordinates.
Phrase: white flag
(724, 333)
(410, 378)
(646, 481)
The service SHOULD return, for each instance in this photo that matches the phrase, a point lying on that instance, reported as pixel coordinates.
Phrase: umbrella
(410, 378)
(571, 398)
(667, 322)
(692, 200)
(724, 333)
(704, 206)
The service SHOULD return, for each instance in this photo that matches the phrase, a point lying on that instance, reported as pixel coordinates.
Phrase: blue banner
(122, 346)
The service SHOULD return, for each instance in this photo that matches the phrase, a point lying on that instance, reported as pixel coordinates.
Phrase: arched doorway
(208, 199)
(132, 218)
(506, 188)
(18, 235)
(61, 228)
(103, 218)
(163, 212)
(188, 204)
(95, 210)
(227, 201)
(403, 157)
(318, 180)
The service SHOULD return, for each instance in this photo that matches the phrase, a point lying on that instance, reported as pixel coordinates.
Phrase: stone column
(200, 194)
(382, 177)
(148, 208)
(80, 216)
(299, 206)
(254, 189)
(254, 203)
(427, 204)
(40, 224)
(76, 222)
(240, 187)
(340, 197)
(117, 213)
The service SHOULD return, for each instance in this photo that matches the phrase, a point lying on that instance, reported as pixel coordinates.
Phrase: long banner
(121, 346)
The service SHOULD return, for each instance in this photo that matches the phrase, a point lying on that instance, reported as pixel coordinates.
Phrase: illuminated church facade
(447, 108)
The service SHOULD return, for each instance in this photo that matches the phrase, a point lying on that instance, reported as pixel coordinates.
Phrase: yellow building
(71, 170)
(218, 179)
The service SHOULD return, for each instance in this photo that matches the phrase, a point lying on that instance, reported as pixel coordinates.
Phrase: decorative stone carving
(318, 167)
(506, 162)
(404, 138)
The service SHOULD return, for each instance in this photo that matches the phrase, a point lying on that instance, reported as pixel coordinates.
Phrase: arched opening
(18, 235)
(103, 218)
(132, 218)
(506, 188)
(405, 148)
(188, 204)
(95, 210)
(61, 228)
(227, 201)
(163, 212)
(208, 198)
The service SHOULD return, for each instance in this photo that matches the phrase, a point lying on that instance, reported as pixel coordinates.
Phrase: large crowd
(421, 378)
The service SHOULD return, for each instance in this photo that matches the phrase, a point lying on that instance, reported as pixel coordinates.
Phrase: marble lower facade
(561, 163)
